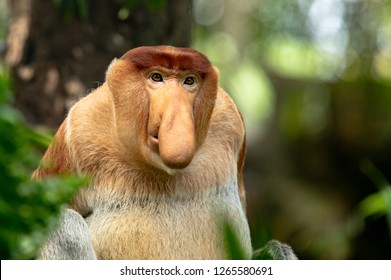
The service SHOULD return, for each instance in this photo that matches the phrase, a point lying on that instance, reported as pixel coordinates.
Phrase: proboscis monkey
(164, 146)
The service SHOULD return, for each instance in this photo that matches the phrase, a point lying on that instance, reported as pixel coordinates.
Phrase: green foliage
(232, 244)
(156, 5)
(72, 9)
(152, 5)
(235, 250)
(28, 210)
(5, 92)
(131, 5)
(379, 203)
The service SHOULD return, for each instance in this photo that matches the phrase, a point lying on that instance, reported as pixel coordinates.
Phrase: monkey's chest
(167, 229)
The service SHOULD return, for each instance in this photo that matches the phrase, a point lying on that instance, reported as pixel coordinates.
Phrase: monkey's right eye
(156, 77)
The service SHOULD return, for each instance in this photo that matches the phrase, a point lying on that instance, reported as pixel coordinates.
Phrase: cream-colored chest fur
(167, 227)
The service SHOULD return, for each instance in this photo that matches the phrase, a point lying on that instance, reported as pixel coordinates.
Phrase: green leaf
(233, 247)
(377, 203)
(28, 209)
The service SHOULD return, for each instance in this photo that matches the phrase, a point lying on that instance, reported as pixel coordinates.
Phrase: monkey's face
(170, 95)
(171, 127)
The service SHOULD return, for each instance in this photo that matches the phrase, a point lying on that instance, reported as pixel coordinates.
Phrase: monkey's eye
(189, 81)
(156, 77)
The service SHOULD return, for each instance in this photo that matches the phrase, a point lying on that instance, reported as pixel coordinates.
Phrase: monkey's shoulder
(226, 109)
(226, 121)
(97, 106)
(91, 114)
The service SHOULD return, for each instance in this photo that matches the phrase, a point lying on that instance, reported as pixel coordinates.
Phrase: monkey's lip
(154, 142)
(154, 138)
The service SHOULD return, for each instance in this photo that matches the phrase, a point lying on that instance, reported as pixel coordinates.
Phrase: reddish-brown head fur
(181, 59)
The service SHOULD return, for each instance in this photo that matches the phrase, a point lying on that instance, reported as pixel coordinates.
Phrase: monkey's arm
(275, 250)
(70, 241)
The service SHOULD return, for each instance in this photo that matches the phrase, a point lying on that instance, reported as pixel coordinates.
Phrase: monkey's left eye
(189, 81)
(156, 77)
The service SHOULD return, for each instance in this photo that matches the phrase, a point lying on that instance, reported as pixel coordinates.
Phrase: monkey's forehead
(182, 59)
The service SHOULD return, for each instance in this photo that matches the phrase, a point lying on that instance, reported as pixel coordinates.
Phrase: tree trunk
(57, 55)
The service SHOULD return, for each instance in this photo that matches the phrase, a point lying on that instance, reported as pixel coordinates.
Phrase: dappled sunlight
(245, 82)
(253, 93)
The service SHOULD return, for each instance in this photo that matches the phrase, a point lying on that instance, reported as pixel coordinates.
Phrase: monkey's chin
(159, 164)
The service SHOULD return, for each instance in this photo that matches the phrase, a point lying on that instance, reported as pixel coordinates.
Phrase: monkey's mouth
(154, 142)
(154, 139)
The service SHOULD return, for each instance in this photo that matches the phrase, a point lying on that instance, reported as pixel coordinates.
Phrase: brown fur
(136, 206)
(56, 159)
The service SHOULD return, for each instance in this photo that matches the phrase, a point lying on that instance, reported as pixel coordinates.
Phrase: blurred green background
(311, 77)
